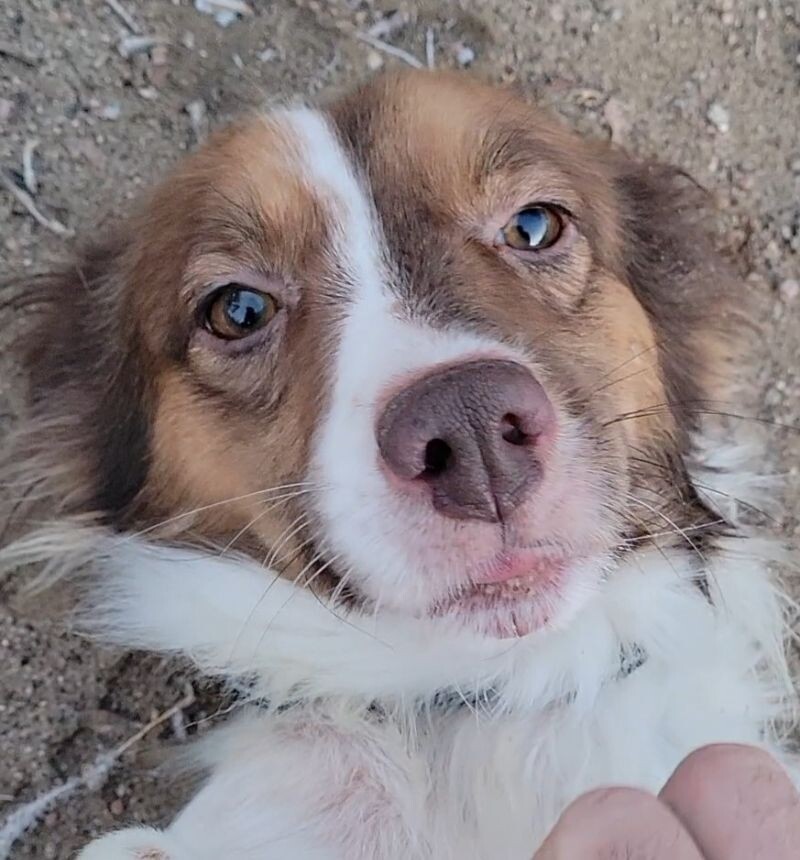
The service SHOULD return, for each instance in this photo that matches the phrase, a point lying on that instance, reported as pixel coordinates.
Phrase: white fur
(464, 783)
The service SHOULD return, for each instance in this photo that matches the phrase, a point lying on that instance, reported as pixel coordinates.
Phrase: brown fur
(135, 419)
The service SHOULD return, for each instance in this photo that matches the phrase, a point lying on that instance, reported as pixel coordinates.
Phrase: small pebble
(111, 111)
(374, 61)
(557, 13)
(795, 165)
(187, 40)
(159, 55)
(719, 117)
(225, 12)
(198, 118)
(772, 252)
(267, 55)
(465, 56)
(116, 807)
(6, 110)
(789, 290)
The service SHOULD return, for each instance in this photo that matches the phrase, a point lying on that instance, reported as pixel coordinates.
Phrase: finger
(618, 822)
(737, 802)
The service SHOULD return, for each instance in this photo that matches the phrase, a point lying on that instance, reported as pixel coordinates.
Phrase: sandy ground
(711, 86)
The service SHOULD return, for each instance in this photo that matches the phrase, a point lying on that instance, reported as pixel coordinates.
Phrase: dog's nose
(470, 432)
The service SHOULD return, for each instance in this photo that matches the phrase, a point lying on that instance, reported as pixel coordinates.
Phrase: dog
(395, 415)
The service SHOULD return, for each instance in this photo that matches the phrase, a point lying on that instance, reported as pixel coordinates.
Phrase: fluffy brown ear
(82, 444)
(697, 304)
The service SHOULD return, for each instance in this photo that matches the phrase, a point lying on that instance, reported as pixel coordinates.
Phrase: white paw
(135, 843)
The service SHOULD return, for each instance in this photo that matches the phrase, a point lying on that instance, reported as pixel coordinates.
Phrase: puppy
(390, 414)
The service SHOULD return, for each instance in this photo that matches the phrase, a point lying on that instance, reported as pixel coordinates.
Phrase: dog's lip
(513, 575)
(519, 564)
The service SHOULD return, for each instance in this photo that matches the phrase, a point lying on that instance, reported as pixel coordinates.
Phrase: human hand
(724, 802)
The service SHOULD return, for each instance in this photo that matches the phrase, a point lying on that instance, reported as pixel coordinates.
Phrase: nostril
(511, 430)
(438, 455)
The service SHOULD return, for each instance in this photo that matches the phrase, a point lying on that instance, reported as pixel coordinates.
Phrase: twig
(430, 48)
(51, 224)
(24, 817)
(393, 51)
(123, 14)
(179, 706)
(131, 45)
(9, 50)
(28, 170)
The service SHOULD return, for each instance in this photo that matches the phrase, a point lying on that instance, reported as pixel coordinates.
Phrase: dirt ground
(712, 85)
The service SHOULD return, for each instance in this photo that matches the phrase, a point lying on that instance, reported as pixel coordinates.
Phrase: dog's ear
(82, 443)
(696, 302)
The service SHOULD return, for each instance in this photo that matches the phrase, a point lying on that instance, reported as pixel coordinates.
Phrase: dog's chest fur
(648, 672)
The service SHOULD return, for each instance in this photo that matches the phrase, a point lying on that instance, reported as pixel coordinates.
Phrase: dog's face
(423, 350)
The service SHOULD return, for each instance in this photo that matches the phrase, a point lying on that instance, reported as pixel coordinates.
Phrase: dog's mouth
(513, 595)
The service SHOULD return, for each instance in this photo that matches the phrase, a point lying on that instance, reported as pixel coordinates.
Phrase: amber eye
(236, 311)
(534, 228)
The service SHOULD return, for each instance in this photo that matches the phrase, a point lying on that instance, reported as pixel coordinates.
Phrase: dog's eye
(236, 311)
(534, 228)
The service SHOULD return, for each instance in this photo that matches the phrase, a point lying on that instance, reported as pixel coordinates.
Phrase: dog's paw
(136, 843)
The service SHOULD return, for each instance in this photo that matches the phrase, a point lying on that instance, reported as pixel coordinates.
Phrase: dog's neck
(282, 645)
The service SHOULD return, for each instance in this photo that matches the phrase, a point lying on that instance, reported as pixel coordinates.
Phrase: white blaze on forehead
(329, 174)
(376, 348)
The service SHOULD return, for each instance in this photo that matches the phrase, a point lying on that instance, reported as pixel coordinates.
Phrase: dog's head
(423, 349)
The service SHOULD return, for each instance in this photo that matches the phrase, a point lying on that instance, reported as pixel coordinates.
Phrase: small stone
(789, 290)
(148, 93)
(374, 61)
(772, 253)
(116, 807)
(465, 56)
(225, 12)
(557, 13)
(617, 117)
(187, 40)
(111, 111)
(159, 55)
(794, 165)
(198, 117)
(268, 55)
(6, 110)
(719, 117)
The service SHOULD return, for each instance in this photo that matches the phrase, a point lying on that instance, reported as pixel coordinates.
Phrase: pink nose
(469, 432)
